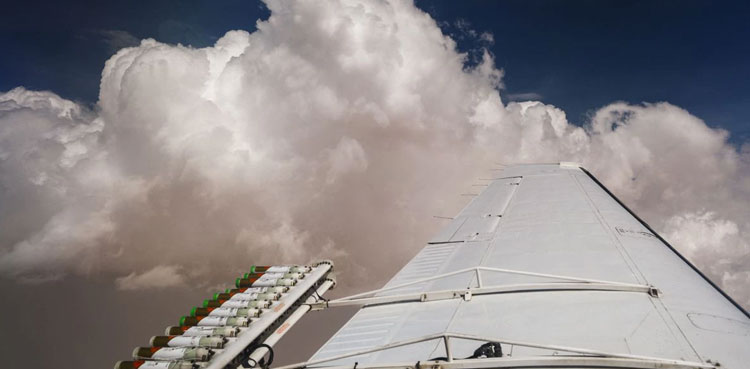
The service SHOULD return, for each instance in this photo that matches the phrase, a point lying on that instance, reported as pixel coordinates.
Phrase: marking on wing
(426, 264)
(365, 318)
(368, 325)
(345, 341)
(361, 333)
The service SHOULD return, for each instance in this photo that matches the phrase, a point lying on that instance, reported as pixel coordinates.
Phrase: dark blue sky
(577, 55)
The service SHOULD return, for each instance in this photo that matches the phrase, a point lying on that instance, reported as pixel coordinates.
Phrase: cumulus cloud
(696, 232)
(337, 128)
(718, 244)
(347, 156)
(161, 276)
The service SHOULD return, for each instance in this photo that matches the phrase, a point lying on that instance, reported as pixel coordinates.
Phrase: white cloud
(161, 276)
(348, 156)
(341, 125)
(695, 232)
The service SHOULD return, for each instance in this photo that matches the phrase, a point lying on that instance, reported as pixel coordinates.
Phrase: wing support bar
(583, 357)
(568, 284)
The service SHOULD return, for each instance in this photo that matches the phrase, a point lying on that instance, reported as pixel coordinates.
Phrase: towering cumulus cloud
(337, 129)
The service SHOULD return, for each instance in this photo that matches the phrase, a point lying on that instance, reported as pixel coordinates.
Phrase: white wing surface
(548, 263)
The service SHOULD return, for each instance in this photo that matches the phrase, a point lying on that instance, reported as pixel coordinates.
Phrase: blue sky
(577, 55)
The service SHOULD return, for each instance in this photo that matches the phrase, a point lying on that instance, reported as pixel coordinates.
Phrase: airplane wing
(548, 267)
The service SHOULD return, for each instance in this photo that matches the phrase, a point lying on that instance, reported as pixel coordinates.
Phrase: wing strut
(570, 284)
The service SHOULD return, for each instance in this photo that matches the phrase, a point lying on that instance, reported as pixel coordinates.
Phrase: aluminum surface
(550, 219)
